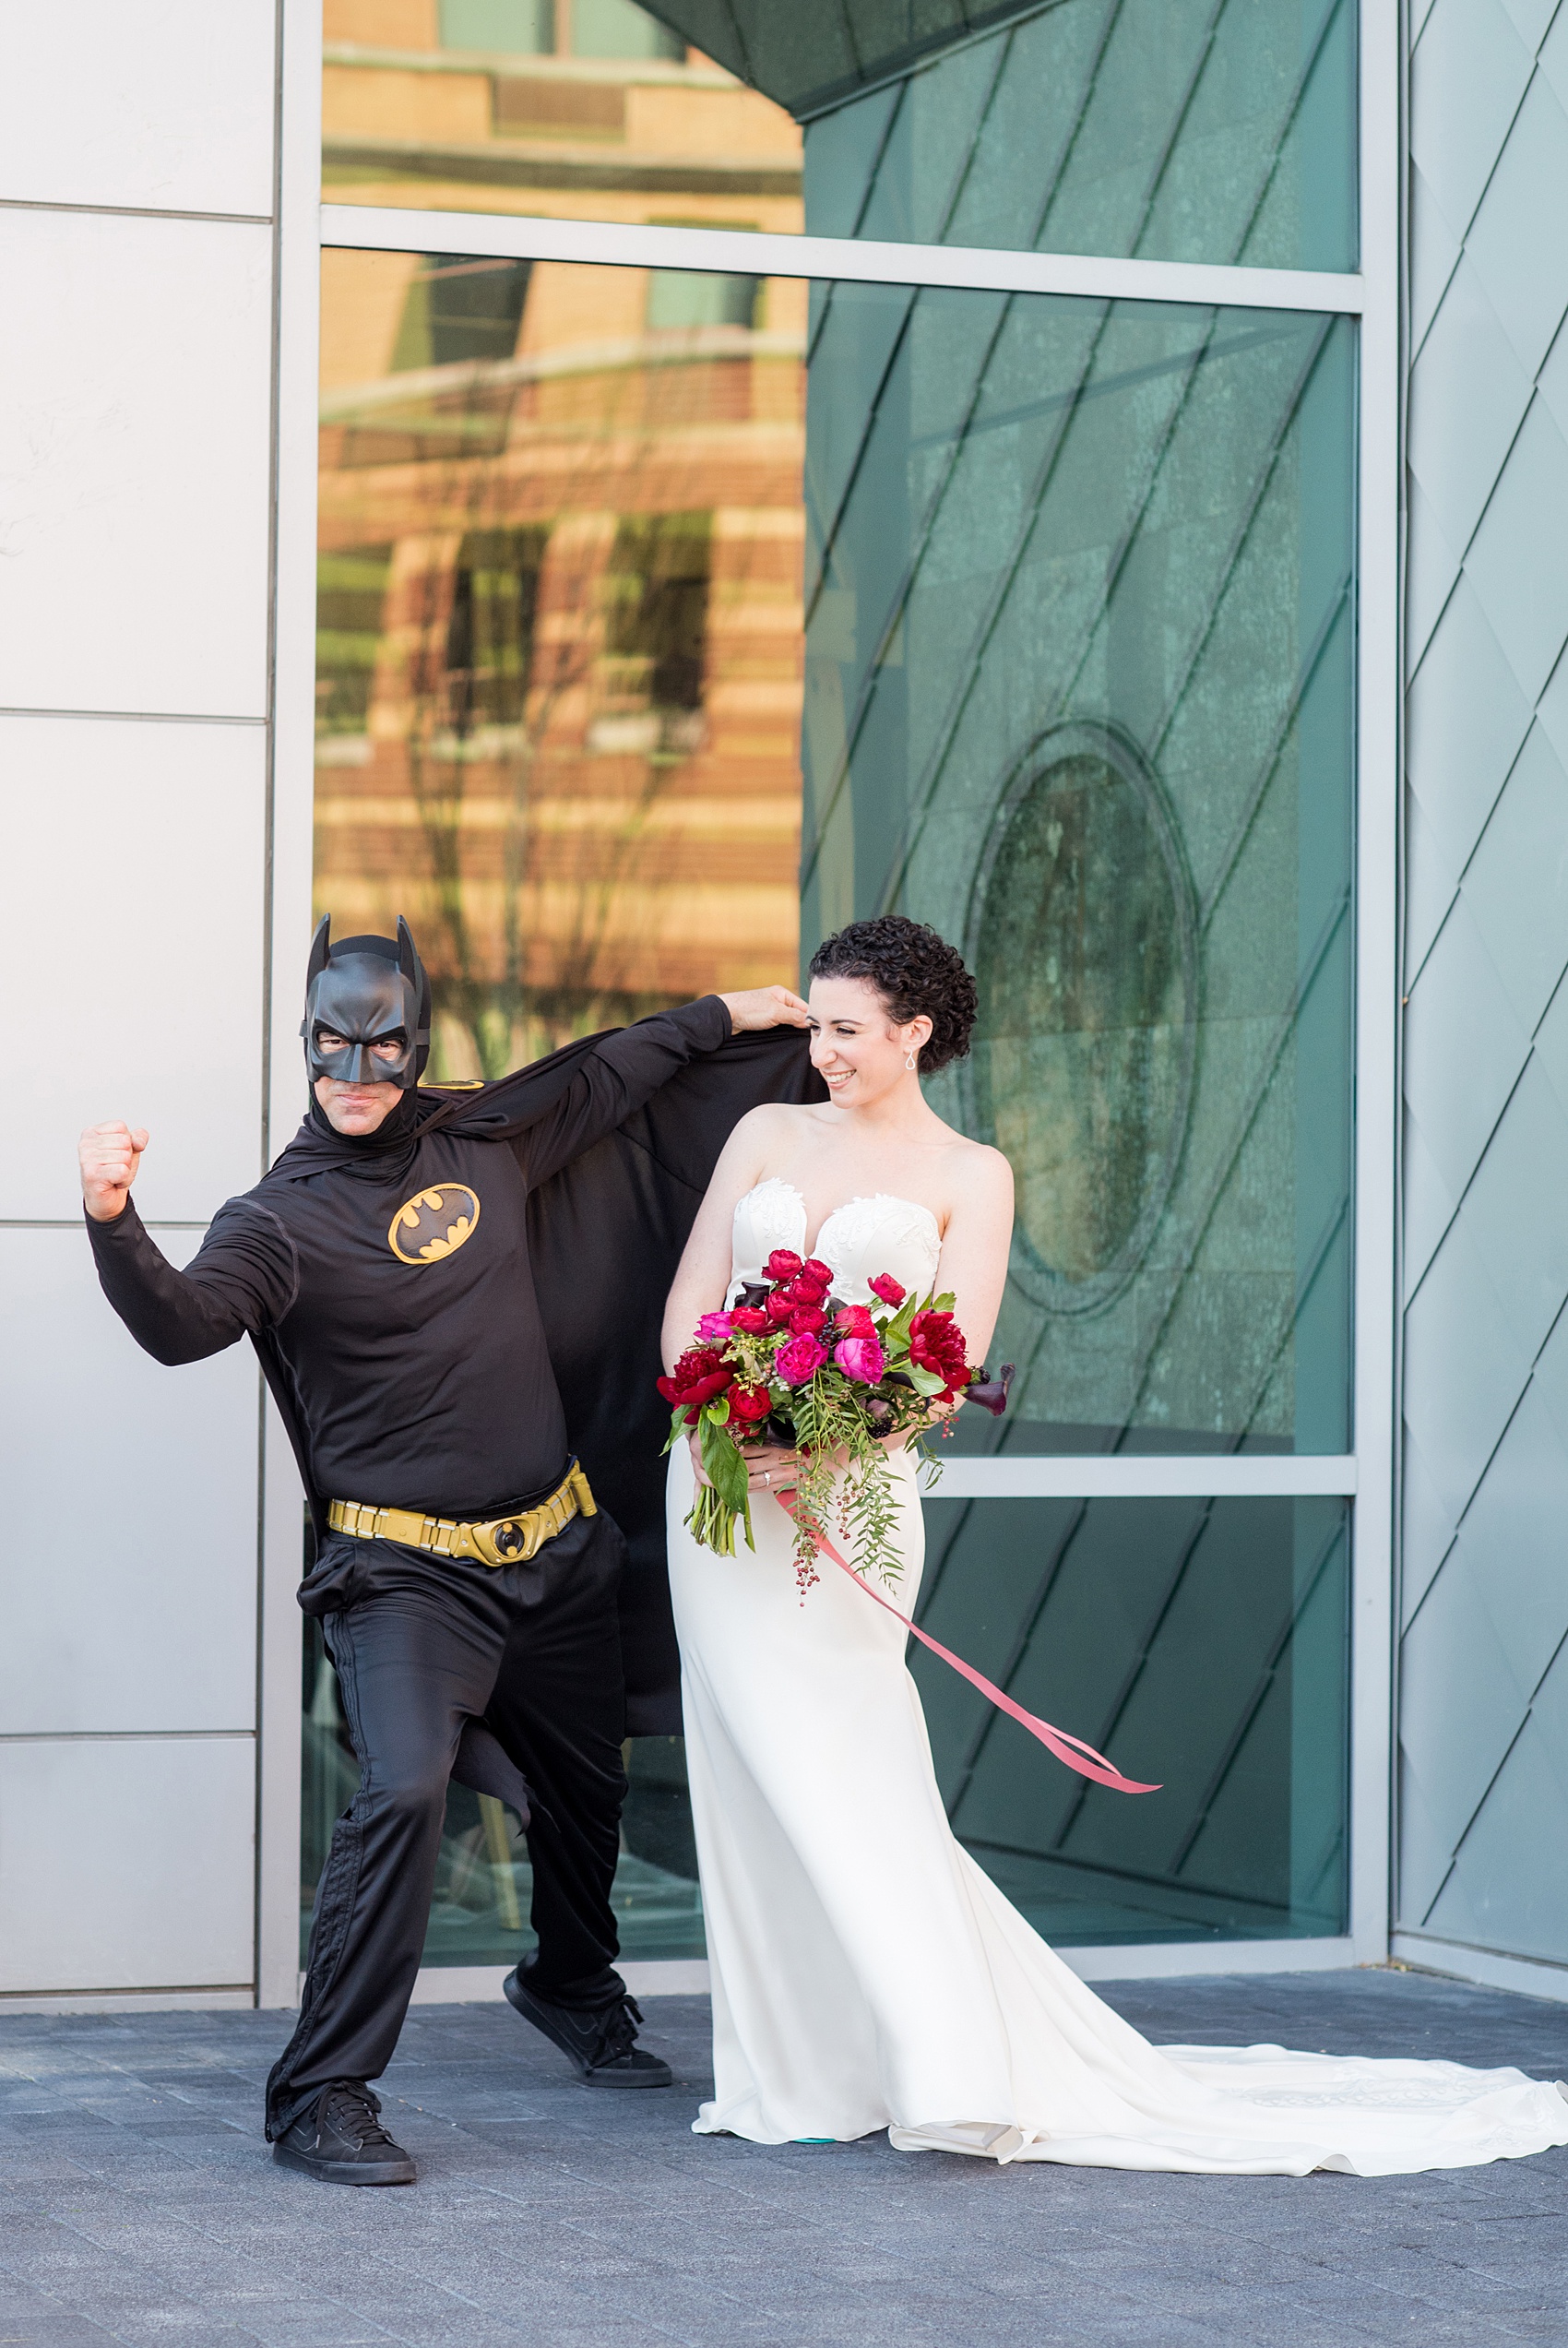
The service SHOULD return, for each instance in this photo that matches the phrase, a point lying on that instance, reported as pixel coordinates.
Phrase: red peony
(937, 1343)
(748, 1317)
(806, 1319)
(749, 1403)
(815, 1268)
(783, 1264)
(779, 1307)
(855, 1320)
(887, 1288)
(697, 1377)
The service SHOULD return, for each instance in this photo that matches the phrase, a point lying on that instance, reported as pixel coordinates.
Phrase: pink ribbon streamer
(1071, 1750)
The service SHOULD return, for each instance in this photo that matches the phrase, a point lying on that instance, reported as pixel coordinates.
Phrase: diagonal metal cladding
(810, 53)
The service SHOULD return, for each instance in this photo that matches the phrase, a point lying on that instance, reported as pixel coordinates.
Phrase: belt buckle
(506, 1542)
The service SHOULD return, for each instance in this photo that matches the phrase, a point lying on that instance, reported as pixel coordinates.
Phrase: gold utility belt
(503, 1541)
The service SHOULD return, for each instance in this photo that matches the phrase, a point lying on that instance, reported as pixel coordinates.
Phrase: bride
(866, 1973)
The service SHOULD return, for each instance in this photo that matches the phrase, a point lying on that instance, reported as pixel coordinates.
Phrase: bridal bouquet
(790, 1365)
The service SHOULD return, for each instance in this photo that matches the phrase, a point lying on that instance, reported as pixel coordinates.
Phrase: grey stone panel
(1517, 562)
(1464, 1050)
(1518, 883)
(1467, 74)
(1467, 398)
(1526, 275)
(1484, 1600)
(1466, 721)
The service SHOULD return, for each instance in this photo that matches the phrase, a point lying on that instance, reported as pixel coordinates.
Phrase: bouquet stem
(713, 1521)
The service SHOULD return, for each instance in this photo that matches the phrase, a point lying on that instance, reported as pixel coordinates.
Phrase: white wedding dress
(867, 1974)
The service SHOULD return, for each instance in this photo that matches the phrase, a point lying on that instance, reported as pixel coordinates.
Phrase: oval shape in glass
(1084, 942)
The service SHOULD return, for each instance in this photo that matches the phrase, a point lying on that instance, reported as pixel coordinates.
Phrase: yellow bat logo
(433, 1223)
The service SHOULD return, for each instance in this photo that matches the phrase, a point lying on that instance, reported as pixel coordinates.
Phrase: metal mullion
(863, 260)
(1376, 992)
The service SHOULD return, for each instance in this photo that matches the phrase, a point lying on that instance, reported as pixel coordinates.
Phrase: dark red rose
(779, 1307)
(854, 1320)
(749, 1404)
(747, 1316)
(806, 1319)
(887, 1288)
(783, 1264)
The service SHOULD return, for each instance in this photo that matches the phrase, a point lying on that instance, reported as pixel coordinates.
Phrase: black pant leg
(412, 1665)
(558, 1709)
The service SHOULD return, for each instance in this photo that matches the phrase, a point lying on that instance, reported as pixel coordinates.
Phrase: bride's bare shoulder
(977, 1170)
(764, 1132)
(774, 1117)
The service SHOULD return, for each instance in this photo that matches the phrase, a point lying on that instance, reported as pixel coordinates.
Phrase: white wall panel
(160, 102)
(126, 1863)
(135, 873)
(135, 397)
(128, 1549)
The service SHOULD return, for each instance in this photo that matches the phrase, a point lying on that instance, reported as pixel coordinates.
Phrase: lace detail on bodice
(860, 1239)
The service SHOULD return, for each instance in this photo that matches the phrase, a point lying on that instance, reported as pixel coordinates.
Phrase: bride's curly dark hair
(914, 971)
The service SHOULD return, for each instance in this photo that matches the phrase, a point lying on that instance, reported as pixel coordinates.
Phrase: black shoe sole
(399, 2172)
(533, 2009)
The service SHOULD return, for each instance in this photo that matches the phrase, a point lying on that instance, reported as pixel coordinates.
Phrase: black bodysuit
(393, 1286)
(420, 1379)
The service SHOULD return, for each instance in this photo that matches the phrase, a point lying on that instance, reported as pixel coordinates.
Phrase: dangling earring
(908, 1059)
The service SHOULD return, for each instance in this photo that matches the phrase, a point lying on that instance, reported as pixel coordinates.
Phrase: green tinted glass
(1079, 693)
(479, 1912)
(1168, 128)
(1201, 1642)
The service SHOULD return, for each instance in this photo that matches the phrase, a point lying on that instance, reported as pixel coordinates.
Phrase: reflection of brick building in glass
(559, 681)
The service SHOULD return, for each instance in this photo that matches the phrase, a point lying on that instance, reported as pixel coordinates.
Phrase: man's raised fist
(110, 1155)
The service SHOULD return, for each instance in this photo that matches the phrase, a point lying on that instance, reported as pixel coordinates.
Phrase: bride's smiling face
(862, 1054)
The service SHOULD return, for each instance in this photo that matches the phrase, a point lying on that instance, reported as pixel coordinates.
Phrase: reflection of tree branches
(442, 705)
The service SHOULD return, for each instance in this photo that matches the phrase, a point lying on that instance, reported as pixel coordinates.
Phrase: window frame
(1367, 1472)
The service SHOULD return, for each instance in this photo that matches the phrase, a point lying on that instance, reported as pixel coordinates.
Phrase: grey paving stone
(139, 2204)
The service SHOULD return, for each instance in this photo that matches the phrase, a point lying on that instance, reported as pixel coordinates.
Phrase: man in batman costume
(455, 1299)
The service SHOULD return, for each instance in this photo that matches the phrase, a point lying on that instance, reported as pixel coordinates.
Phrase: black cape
(605, 1236)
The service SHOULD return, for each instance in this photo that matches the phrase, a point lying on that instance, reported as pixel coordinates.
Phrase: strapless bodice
(859, 1240)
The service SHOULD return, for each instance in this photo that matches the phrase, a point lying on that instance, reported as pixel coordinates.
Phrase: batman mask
(368, 990)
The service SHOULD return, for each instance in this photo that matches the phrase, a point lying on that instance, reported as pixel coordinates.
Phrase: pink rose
(859, 1358)
(714, 1327)
(783, 1264)
(798, 1363)
(887, 1288)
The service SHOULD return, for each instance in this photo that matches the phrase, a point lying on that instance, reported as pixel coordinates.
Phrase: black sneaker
(602, 2048)
(341, 2139)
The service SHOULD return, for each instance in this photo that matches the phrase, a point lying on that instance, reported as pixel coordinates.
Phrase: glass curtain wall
(668, 620)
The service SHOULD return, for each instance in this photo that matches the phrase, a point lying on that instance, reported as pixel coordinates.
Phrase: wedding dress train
(867, 1974)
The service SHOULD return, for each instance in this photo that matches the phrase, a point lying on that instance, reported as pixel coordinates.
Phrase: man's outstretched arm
(623, 1071)
(243, 1277)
